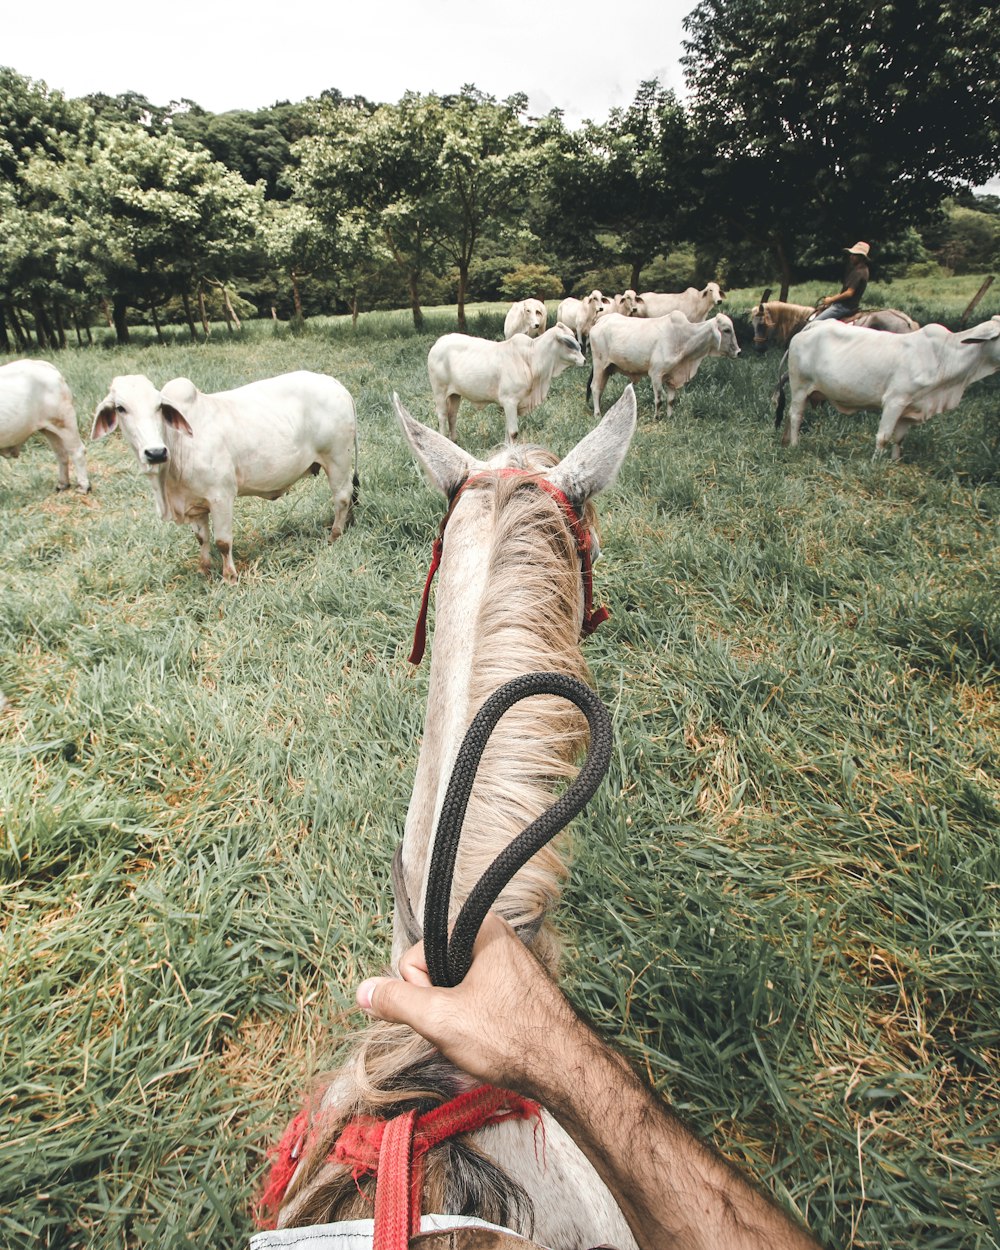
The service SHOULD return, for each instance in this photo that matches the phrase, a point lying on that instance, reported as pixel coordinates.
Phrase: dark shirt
(856, 279)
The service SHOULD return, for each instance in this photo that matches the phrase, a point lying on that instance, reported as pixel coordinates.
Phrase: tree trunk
(4, 338)
(201, 309)
(90, 337)
(354, 310)
(296, 296)
(107, 313)
(43, 331)
(154, 312)
(463, 282)
(186, 299)
(232, 311)
(60, 326)
(634, 279)
(785, 268)
(274, 313)
(21, 331)
(418, 312)
(119, 310)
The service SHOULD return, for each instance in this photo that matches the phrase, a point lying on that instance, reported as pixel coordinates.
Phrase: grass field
(785, 898)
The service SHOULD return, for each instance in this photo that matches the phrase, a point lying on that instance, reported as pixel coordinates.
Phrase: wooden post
(987, 283)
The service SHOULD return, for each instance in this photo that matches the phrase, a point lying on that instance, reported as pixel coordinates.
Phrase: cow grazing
(779, 321)
(668, 349)
(515, 374)
(581, 314)
(200, 451)
(627, 303)
(34, 399)
(694, 304)
(527, 316)
(908, 377)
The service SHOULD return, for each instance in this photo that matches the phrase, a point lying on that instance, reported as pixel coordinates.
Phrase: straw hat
(859, 249)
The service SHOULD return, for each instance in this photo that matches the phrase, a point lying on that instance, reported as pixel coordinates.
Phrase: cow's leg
(796, 411)
(221, 509)
(342, 489)
(74, 446)
(600, 380)
(200, 527)
(56, 443)
(903, 426)
(510, 414)
(671, 396)
(891, 414)
(448, 419)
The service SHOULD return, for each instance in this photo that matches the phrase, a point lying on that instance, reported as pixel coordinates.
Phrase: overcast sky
(583, 58)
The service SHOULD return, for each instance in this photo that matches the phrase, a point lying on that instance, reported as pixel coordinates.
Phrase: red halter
(591, 617)
(393, 1151)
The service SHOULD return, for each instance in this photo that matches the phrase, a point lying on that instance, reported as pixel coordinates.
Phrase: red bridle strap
(591, 618)
(395, 1149)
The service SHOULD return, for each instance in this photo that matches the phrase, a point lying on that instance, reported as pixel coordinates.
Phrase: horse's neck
(461, 587)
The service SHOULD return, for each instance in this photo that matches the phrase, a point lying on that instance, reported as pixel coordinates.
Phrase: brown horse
(779, 321)
(510, 600)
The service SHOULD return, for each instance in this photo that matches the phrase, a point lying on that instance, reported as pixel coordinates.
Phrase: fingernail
(363, 994)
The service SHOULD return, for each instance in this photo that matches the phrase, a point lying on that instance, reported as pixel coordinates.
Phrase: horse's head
(513, 595)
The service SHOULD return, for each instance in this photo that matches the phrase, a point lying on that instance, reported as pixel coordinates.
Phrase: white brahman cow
(627, 304)
(34, 399)
(908, 377)
(694, 304)
(669, 350)
(515, 374)
(580, 314)
(200, 451)
(527, 316)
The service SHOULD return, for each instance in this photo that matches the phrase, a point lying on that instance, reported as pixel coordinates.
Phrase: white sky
(583, 58)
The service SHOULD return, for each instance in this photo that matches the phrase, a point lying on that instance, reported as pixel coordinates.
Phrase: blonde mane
(528, 620)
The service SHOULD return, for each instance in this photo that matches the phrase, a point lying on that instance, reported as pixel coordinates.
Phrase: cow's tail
(355, 480)
(590, 381)
(778, 398)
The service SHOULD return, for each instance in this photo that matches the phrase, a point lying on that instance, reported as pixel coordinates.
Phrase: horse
(774, 318)
(510, 600)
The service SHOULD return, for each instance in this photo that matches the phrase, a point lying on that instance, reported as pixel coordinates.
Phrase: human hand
(506, 1023)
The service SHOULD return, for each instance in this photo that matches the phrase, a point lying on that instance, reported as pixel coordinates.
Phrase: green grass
(784, 899)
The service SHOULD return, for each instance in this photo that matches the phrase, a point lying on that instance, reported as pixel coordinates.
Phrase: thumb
(390, 999)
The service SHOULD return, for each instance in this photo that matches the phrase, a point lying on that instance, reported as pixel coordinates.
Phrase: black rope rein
(449, 961)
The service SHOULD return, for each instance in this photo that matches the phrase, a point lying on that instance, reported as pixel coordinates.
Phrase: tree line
(805, 127)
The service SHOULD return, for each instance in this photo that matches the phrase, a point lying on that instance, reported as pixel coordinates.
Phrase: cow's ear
(594, 462)
(105, 418)
(446, 465)
(176, 420)
(985, 333)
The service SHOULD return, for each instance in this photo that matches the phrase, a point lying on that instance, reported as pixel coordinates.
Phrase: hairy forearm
(673, 1189)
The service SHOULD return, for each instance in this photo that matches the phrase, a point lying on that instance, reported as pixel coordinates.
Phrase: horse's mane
(529, 620)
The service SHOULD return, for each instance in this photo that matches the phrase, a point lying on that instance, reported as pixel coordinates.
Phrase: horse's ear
(446, 465)
(595, 460)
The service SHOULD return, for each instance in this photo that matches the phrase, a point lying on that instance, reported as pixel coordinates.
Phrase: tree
(155, 217)
(482, 167)
(382, 165)
(820, 123)
(620, 190)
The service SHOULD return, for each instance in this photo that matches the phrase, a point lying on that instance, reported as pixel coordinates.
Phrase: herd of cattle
(199, 452)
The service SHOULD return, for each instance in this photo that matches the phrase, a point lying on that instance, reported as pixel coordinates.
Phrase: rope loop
(449, 961)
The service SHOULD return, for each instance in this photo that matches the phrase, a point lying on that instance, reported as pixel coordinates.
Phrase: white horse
(510, 600)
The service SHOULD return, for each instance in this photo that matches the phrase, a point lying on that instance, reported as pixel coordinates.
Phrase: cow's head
(726, 343)
(713, 292)
(135, 405)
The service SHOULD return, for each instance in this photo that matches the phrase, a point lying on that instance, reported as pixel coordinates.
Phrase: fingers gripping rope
(448, 961)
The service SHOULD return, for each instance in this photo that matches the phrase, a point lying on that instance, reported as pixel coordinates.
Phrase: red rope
(284, 1160)
(394, 1150)
(591, 618)
(359, 1146)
